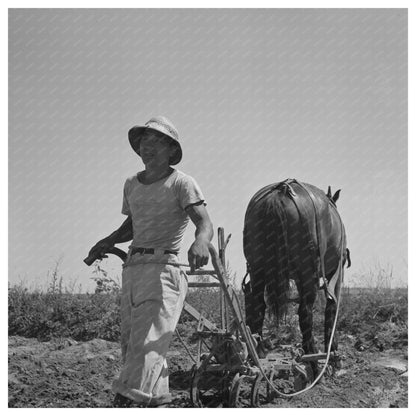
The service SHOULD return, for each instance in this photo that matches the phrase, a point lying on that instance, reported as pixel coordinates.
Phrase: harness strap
(303, 214)
(319, 261)
(318, 235)
(329, 287)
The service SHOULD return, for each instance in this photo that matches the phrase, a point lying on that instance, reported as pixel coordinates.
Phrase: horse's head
(335, 197)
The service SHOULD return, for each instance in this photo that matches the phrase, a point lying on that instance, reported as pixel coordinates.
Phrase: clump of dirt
(61, 373)
(66, 373)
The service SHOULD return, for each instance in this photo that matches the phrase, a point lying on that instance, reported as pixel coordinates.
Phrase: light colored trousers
(153, 293)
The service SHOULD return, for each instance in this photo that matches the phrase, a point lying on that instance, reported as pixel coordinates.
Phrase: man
(158, 203)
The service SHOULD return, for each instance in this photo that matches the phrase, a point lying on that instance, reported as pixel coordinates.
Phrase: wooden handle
(113, 250)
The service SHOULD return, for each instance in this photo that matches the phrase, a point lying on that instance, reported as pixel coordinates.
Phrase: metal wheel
(254, 397)
(209, 388)
(244, 390)
(235, 388)
(269, 390)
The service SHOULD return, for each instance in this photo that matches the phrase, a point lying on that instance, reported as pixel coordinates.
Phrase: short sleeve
(188, 192)
(125, 209)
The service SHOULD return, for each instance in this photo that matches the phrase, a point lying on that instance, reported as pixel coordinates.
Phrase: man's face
(155, 149)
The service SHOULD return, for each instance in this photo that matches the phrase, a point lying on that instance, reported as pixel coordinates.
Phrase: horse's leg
(307, 295)
(306, 322)
(330, 311)
(248, 303)
(259, 305)
(255, 308)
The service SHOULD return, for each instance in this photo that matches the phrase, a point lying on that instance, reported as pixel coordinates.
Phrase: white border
(201, 4)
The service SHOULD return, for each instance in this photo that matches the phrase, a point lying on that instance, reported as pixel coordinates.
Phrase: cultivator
(228, 371)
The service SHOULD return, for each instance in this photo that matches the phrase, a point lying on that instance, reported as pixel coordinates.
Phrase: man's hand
(101, 248)
(121, 235)
(198, 254)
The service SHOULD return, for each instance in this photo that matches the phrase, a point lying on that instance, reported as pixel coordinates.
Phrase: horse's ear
(336, 195)
(329, 193)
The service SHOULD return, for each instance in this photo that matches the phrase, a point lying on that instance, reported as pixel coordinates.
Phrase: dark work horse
(292, 230)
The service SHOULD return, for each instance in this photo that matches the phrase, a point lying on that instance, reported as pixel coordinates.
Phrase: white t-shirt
(158, 210)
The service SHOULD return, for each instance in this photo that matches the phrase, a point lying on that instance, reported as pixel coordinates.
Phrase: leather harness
(319, 263)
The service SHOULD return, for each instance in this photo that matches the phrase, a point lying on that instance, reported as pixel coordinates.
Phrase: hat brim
(136, 134)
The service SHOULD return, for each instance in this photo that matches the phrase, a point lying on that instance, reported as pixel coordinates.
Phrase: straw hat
(162, 125)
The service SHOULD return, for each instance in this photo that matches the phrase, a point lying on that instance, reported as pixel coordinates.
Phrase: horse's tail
(276, 257)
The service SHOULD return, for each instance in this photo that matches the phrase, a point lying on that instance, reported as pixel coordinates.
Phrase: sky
(258, 96)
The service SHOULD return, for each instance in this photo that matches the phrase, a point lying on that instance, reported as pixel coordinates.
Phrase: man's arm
(121, 235)
(198, 254)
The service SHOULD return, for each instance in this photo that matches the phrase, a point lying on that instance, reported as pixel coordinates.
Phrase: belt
(143, 250)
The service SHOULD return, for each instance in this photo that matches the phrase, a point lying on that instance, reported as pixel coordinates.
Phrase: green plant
(57, 312)
(104, 283)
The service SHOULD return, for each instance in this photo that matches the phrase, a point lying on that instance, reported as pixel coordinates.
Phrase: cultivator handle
(97, 256)
(232, 300)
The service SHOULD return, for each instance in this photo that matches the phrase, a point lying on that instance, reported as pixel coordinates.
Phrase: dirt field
(66, 373)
